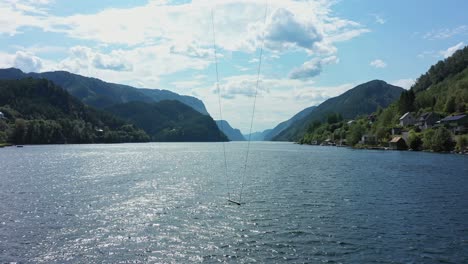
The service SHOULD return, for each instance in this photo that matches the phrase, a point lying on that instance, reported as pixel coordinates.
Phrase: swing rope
(253, 108)
(254, 104)
(219, 104)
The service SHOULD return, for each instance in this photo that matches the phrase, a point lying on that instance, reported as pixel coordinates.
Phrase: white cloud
(449, 52)
(239, 24)
(404, 83)
(311, 68)
(27, 62)
(378, 63)
(285, 31)
(115, 62)
(179, 37)
(446, 33)
(240, 85)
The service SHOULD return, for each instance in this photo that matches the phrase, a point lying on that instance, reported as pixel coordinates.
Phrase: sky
(311, 50)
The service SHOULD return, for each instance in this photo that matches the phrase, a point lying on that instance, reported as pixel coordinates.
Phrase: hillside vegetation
(442, 91)
(362, 99)
(169, 121)
(100, 94)
(38, 112)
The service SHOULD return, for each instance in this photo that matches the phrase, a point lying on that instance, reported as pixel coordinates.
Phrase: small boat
(19, 146)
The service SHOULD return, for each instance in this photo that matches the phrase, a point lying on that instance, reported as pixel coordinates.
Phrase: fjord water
(166, 203)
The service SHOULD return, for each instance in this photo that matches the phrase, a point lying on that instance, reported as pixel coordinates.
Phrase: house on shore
(458, 124)
(427, 120)
(2, 116)
(407, 119)
(398, 143)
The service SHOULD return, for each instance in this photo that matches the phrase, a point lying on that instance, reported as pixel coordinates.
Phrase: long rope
(254, 104)
(219, 103)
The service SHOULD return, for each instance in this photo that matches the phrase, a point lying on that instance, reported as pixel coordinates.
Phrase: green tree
(414, 140)
(462, 143)
(355, 133)
(313, 126)
(442, 140)
(450, 105)
(21, 129)
(406, 102)
(382, 134)
(427, 138)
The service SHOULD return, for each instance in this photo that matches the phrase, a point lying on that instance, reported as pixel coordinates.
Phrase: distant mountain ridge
(362, 99)
(258, 136)
(284, 125)
(100, 94)
(233, 134)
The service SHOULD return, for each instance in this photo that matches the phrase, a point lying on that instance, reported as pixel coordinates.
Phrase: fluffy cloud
(240, 85)
(285, 30)
(404, 83)
(308, 70)
(180, 35)
(311, 68)
(27, 62)
(378, 63)
(109, 62)
(448, 52)
(239, 24)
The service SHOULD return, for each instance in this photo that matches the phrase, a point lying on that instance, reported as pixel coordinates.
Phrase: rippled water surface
(166, 203)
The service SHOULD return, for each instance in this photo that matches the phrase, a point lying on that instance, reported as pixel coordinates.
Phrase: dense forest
(441, 92)
(169, 121)
(38, 112)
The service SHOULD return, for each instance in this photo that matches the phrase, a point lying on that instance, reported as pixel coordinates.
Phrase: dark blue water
(166, 203)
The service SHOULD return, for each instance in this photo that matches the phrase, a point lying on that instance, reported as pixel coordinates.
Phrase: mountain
(169, 121)
(258, 136)
(39, 112)
(232, 133)
(362, 99)
(438, 100)
(444, 87)
(100, 94)
(160, 95)
(283, 125)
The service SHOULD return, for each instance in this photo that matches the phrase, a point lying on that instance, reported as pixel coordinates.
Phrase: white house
(407, 119)
(2, 116)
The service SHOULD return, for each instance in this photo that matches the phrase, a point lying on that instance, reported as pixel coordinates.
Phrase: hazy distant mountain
(283, 125)
(169, 121)
(362, 99)
(258, 136)
(100, 94)
(232, 133)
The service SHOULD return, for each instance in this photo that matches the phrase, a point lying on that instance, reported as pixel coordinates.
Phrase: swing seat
(234, 202)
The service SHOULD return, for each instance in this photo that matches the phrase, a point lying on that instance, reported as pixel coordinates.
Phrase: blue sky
(313, 50)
